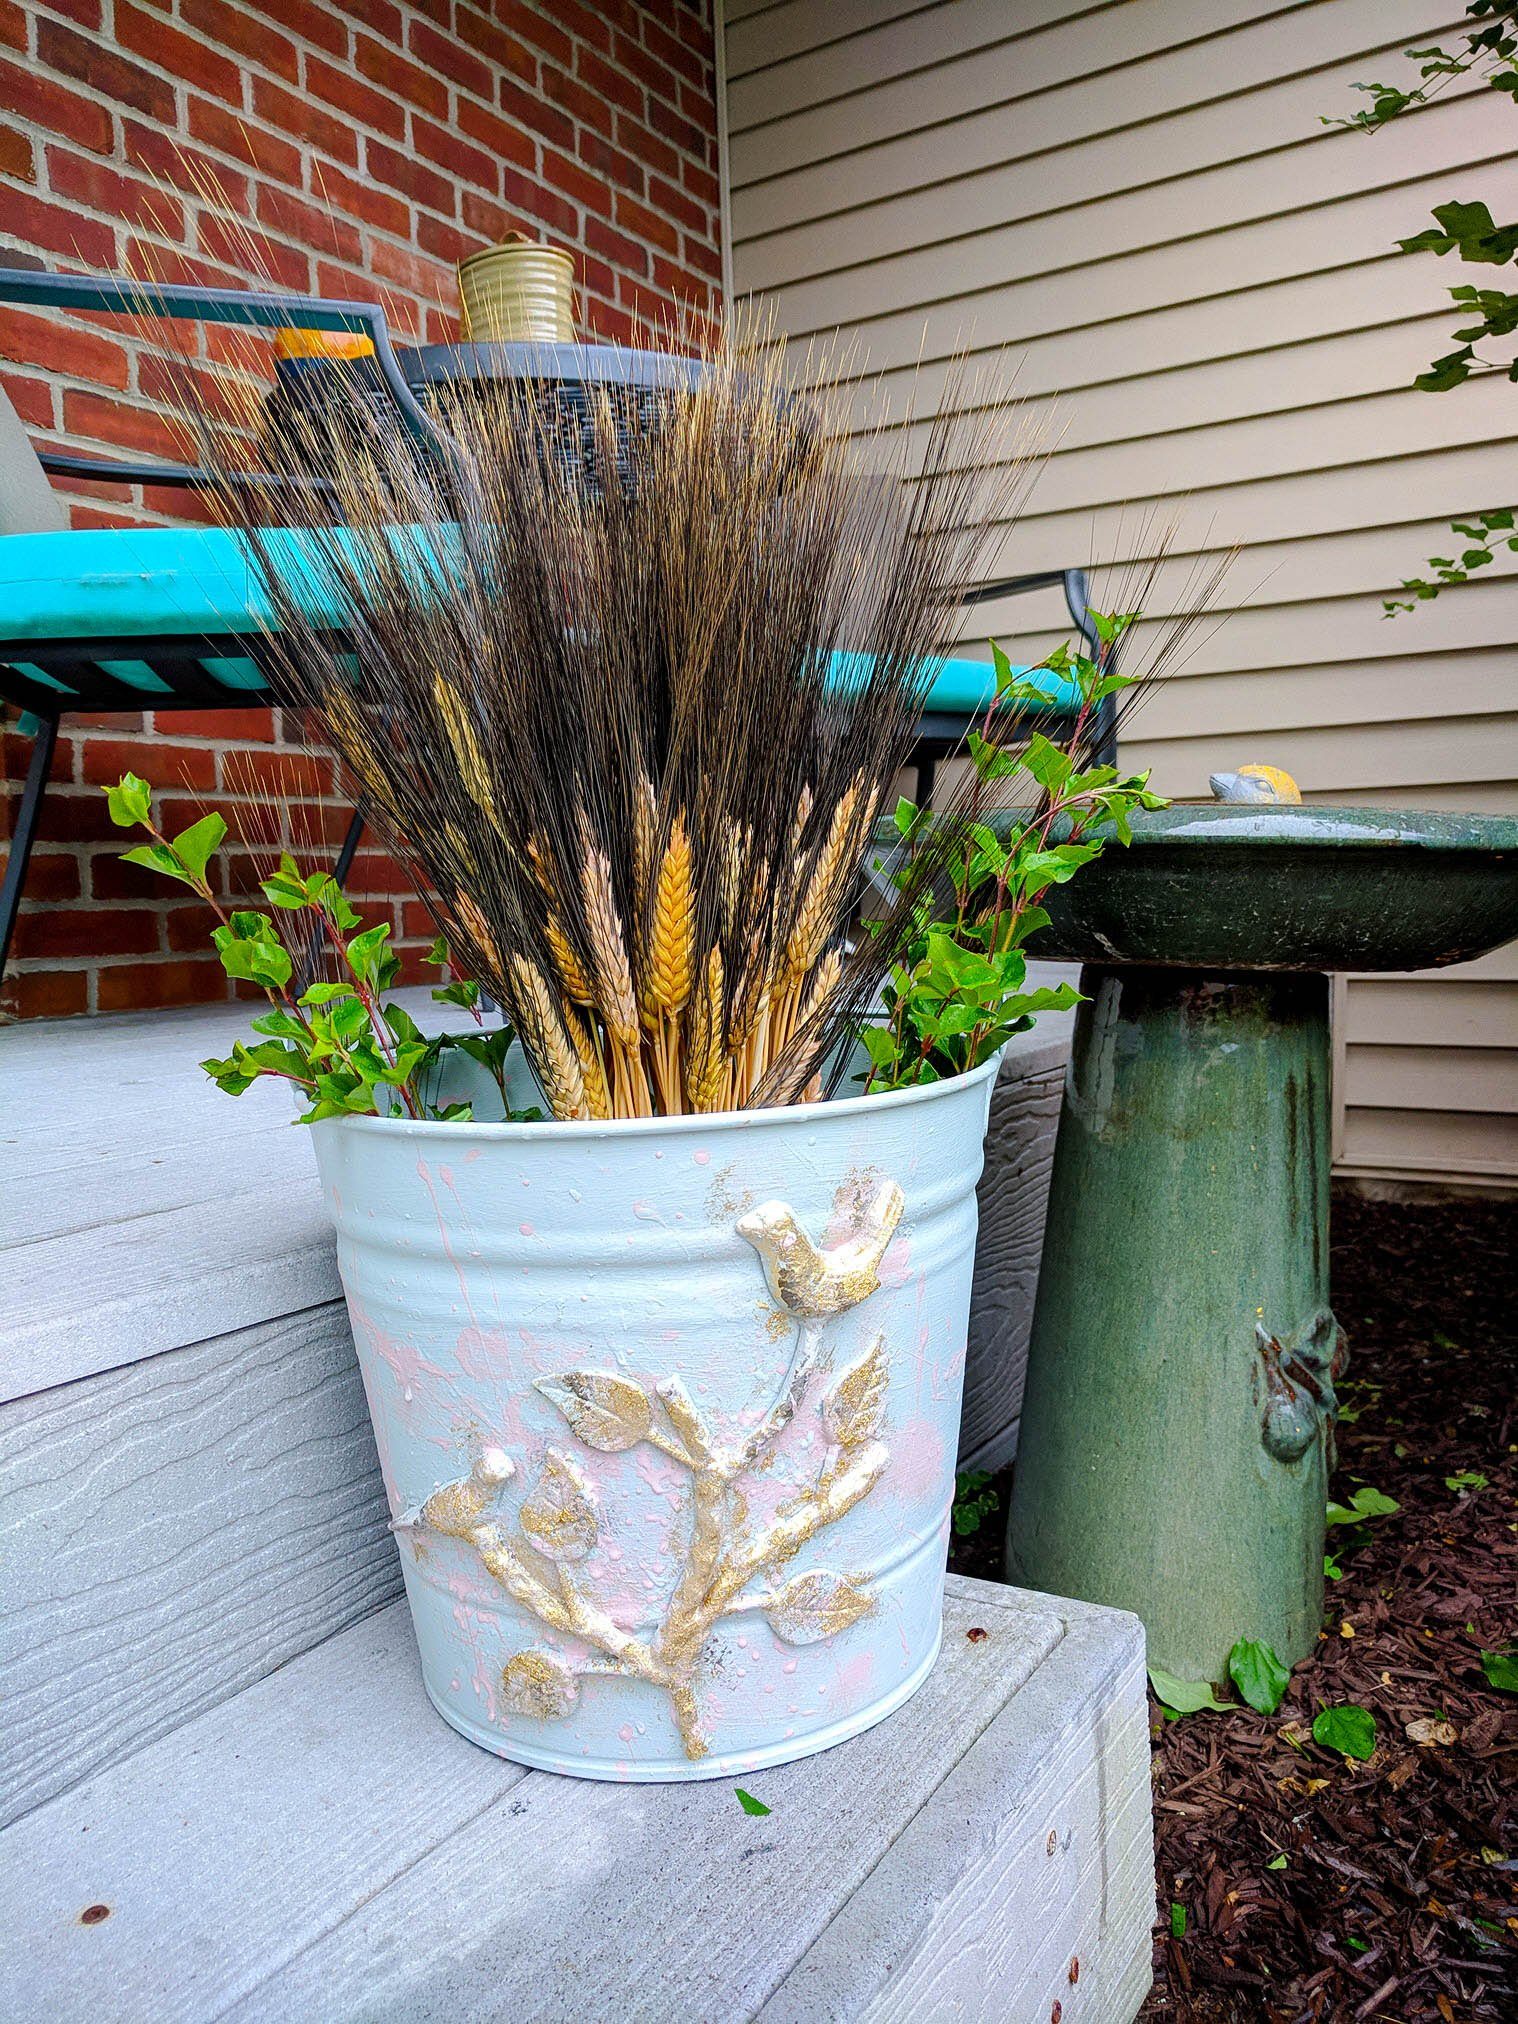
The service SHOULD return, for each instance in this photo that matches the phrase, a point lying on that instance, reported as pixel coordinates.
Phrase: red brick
(608, 80)
(633, 59)
(83, 13)
(85, 181)
(484, 217)
(161, 764)
(56, 229)
(123, 987)
(46, 994)
(616, 246)
(173, 161)
(405, 268)
(504, 51)
(356, 197)
(86, 931)
(575, 182)
(256, 725)
(197, 62)
(380, 15)
(693, 61)
(315, 21)
(380, 111)
(230, 27)
(16, 158)
(292, 115)
(699, 254)
(465, 163)
(443, 240)
(394, 73)
(577, 99)
(590, 23)
(267, 152)
(12, 24)
(33, 399)
(546, 207)
(63, 347)
(111, 879)
(245, 251)
(685, 134)
(41, 101)
(640, 140)
(529, 110)
(280, 773)
(403, 172)
(646, 225)
(611, 165)
(101, 66)
(702, 184)
(506, 142)
(308, 224)
(445, 56)
(51, 876)
(677, 203)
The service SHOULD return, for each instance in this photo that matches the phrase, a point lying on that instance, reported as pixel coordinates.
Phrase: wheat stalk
(557, 1064)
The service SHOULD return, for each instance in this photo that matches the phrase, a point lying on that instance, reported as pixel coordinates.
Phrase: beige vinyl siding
(1139, 203)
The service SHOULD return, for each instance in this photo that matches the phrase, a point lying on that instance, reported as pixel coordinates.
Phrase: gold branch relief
(730, 1566)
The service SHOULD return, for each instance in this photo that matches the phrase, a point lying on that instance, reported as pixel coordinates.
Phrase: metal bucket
(667, 1411)
(517, 292)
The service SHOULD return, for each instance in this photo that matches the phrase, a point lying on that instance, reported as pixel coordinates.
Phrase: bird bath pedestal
(1177, 1430)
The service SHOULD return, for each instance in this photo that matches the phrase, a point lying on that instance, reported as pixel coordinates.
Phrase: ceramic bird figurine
(1254, 783)
(815, 1284)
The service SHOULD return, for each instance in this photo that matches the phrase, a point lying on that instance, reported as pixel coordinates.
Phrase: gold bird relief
(814, 1283)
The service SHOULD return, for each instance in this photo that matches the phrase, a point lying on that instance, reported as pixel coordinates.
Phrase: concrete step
(322, 1847)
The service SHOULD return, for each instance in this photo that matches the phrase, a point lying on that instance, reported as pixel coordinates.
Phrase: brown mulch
(1398, 1898)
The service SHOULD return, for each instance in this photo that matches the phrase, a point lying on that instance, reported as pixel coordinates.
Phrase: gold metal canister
(520, 291)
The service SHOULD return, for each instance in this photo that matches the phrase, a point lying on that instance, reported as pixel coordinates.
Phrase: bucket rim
(589, 1131)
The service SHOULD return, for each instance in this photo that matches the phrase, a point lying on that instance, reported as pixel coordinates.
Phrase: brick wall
(362, 147)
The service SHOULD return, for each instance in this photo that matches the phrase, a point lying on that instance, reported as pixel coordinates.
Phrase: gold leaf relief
(559, 1516)
(816, 1605)
(538, 1684)
(853, 1409)
(607, 1412)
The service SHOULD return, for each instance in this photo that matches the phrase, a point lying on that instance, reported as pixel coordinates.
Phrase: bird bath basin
(1177, 1428)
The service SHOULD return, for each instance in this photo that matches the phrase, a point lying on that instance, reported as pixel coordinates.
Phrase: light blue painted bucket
(667, 1412)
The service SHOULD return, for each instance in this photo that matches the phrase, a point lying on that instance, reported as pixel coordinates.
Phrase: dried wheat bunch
(583, 679)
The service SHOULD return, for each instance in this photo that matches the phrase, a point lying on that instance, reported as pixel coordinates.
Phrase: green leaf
(1501, 1669)
(324, 994)
(1258, 1674)
(1331, 1568)
(158, 857)
(1177, 1921)
(1365, 1503)
(130, 801)
(1467, 1479)
(1186, 1697)
(194, 845)
(1349, 1729)
(366, 953)
(748, 1802)
(1276, 1862)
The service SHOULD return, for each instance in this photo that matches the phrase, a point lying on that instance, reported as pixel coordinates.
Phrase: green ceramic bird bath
(1177, 1430)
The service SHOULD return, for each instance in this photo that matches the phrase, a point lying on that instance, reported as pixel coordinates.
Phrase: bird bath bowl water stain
(1177, 1429)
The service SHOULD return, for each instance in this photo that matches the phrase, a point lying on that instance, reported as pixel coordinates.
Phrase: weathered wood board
(322, 1847)
(174, 1529)
(1013, 1197)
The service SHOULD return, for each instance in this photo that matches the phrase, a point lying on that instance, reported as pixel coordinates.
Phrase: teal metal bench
(171, 618)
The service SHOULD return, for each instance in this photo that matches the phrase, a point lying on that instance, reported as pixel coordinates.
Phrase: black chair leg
(24, 833)
(345, 856)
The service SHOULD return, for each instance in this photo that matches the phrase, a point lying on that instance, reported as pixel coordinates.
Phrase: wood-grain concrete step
(320, 1848)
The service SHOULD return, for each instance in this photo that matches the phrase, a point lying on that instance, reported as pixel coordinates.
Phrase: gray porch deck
(214, 1724)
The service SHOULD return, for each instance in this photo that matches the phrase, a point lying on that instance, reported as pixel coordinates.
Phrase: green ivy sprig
(960, 988)
(347, 1050)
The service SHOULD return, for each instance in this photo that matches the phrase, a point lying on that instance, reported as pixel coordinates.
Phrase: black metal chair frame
(93, 686)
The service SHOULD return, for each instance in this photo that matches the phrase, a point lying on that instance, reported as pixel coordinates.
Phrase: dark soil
(1398, 1897)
